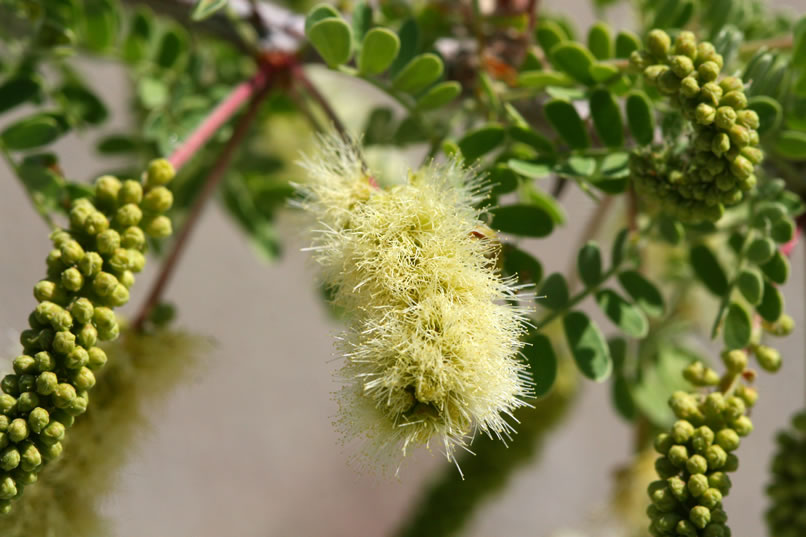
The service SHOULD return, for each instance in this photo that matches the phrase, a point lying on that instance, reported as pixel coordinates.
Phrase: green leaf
(83, 104)
(589, 264)
(439, 95)
(379, 128)
(791, 145)
(409, 35)
(45, 186)
(607, 117)
(574, 60)
(16, 91)
(578, 166)
(524, 220)
(783, 231)
(772, 303)
(541, 79)
(532, 138)
(626, 316)
(517, 261)
(751, 285)
(502, 179)
(136, 45)
(362, 21)
(31, 132)
(332, 38)
(206, 8)
(768, 110)
(548, 33)
(481, 141)
(566, 121)
(537, 169)
(172, 47)
(117, 144)
(622, 398)
(652, 391)
(600, 41)
(615, 165)
(708, 269)
(738, 327)
(153, 92)
(548, 203)
(671, 229)
(626, 43)
(419, 73)
(410, 131)
(799, 48)
(643, 292)
(618, 352)
(553, 293)
(777, 268)
(100, 30)
(761, 250)
(378, 51)
(640, 117)
(603, 72)
(319, 13)
(542, 360)
(588, 346)
(619, 248)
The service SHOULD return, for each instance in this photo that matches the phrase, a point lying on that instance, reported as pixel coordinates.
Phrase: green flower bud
(77, 359)
(106, 190)
(640, 60)
(678, 455)
(91, 264)
(160, 172)
(678, 488)
(160, 199)
(664, 500)
(63, 395)
(720, 481)
(734, 99)
(137, 261)
(82, 208)
(716, 530)
(731, 83)
(782, 327)
(9, 459)
(46, 290)
(735, 361)
(711, 93)
(53, 433)
(52, 451)
(689, 87)
(97, 358)
(44, 361)
(663, 442)
(8, 404)
(119, 296)
(133, 237)
(682, 431)
(747, 394)
(725, 117)
(697, 464)
(728, 439)
(697, 485)
(754, 139)
(72, 280)
(10, 385)
(734, 408)
(26, 383)
(685, 528)
(109, 333)
(72, 252)
(739, 136)
(64, 342)
(708, 71)
(104, 283)
(721, 144)
(159, 227)
(87, 336)
(684, 406)
(120, 261)
(127, 279)
(682, 66)
(741, 167)
(130, 192)
(700, 516)
(667, 522)
(654, 72)
(108, 241)
(659, 43)
(716, 457)
(18, 430)
(705, 114)
(768, 358)
(128, 215)
(96, 223)
(686, 44)
(23, 478)
(31, 458)
(714, 405)
(82, 310)
(38, 419)
(27, 401)
(46, 383)
(8, 488)
(78, 405)
(753, 154)
(731, 463)
(748, 183)
(24, 364)
(84, 379)
(665, 468)
(748, 119)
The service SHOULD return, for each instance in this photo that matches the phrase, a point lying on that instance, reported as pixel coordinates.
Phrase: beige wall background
(246, 447)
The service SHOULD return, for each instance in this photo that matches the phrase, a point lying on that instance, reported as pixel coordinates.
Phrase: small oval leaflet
(589, 264)
(566, 121)
(554, 292)
(738, 327)
(378, 50)
(542, 360)
(626, 316)
(643, 292)
(588, 346)
(524, 220)
(332, 38)
(419, 73)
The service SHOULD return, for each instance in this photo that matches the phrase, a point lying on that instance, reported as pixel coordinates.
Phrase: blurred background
(246, 447)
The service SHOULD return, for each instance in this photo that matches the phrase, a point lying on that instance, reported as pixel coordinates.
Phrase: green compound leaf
(554, 293)
(738, 327)
(626, 43)
(629, 318)
(534, 139)
(419, 73)
(206, 8)
(319, 13)
(600, 41)
(772, 303)
(792, 145)
(769, 112)
(640, 117)
(16, 91)
(708, 270)
(31, 132)
(541, 79)
(439, 95)
(548, 203)
(481, 141)
(332, 38)
(524, 220)
(520, 263)
(589, 264)
(777, 268)
(588, 346)
(750, 285)
(643, 292)
(566, 121)
(548, 33)
(378, 50)
(607, 117)
(542, 360)
(574, 60)
(536, 169)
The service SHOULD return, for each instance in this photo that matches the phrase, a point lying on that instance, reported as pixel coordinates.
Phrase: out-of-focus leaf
(554, 292)
(708, 269)
(206, 8)
(31, 132)
(378, 51)
(83, 104)
(600, 41)
(626, 316)
(640, 117)
(548, 33)
(419, 73)
(643, 292)
(319, 13)
(542, 360)
(16, 91)
(768, 110)
(772, 303)
(607, 117)
(626, 43)
(574, 60)
(566, 121)
(526, 266)
(439, 95)
(588, 346)
(333, 39)
(589, 264)
(524, 220)
(481, 141)
(409, 35)
(792, 145)
(738, 327)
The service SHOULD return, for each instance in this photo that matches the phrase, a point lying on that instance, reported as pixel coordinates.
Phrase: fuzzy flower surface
(431, 352)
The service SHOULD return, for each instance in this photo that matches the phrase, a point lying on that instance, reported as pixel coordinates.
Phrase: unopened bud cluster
(786, 516)
(89, 273)
(719, 164)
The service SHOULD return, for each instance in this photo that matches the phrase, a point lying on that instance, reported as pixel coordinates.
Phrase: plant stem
(576, 299)
(299, 76)
(257, 89)
(785, 42)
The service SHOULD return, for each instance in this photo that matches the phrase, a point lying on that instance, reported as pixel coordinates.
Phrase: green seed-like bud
(748, 394)
(689, 87)
(106, 190)
(90, 264)
(731, 463)
(120, 261)
(686, 44)
(731, 83)
(60, 237)
(685, 406)
(87, 336)
(714, 405)
(160, 172)
(8, 404)
(46, 290)
(80, 211)
(9, 459)
(720, 481)
(96, 223)
(24, 364)
(725, 117)
(72, 252)
(27, 383)
(640, 60)
(64, 418)
(108, 241)
(694, 372)
(119, 296)
(31, 458)
(53, 433)
(682, 431)
(754, 139)
(700, 516)
(46, 383)
(159, 227)
(711, 93)
(127, 279)
(77, 359)
(109, 334)
(8, 488)
(10, 385)
(52, 451)
(654, 72)
(63, 395)
(748, 119)
(768, 358)
(133, 237)
(735, 361)
(130, 192)
(97, 358)
(64, 342)
(44, 361)
(81, 310)
(681, 65)
(663, 442)
(739, 136)
(78, 405)
(678, 455)
(753, 154)
(38, 419)
(710, 498)
(665, 468)
(735, 99)
(728, 439)
(685, 528)
(128, 215)
(708, 71)
(104, 283)
(734, 408)
(782, 327)
(72, 280)
(716, 457)
(84, 379)
(659, 43)
(27, 401)
(716, 530)
(18, 430)
(697, 485)
(663, 499)
(678, 488)
(721, 144)
(697, 464)
(160, 199)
